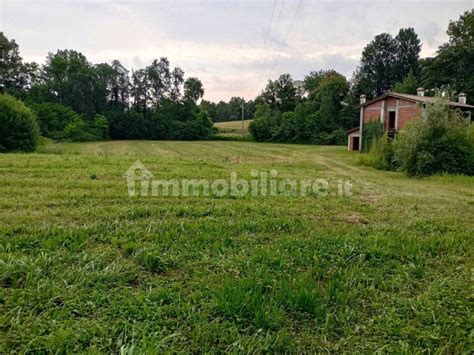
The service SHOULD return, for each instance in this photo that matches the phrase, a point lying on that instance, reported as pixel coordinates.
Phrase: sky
(233, 47)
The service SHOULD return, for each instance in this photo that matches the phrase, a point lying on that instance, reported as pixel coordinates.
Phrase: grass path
(85, 267)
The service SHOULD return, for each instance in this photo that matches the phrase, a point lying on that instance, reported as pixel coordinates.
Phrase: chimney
(362, 99)
(462, 98)
(420, 92)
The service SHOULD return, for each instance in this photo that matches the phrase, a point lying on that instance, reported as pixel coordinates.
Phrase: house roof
(415, 98)
(355, 129)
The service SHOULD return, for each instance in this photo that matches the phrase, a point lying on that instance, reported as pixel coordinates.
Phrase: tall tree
(177, 80)
(120, 86)
(69, 79)
(280, 94)
(139, 90)
(408, 53)
(313, 79)
(333, 88)
(453, 65)
(16, 77)
(375, 74)
(102, 86)
(193, 89)
(386, 61)
(408, 85)
(158, 75)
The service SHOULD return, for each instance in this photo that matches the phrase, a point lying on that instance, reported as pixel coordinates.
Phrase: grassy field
(232, 127)
(83, 266)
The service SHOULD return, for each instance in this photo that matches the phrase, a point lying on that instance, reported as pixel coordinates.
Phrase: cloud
(224, 43)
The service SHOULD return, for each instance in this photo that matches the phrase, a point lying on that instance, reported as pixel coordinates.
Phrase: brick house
(394, 111)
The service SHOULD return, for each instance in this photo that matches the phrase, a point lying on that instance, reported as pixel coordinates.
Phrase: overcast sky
(232, 46)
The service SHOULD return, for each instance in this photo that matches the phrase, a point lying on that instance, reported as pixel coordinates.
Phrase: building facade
(394, 110)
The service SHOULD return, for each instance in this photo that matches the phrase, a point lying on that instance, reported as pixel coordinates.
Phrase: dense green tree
(104, 75)
(386, 61)
(119, 86)
(312, 81)
(18, 126)
(222, 112)
(265, 123)
(140, 91)
(375, 74)
(11, 64)
(53, 118)
(193, 89)
(177, 80)
(408, 54)
(210, 107)
(408, 85)
(128, 125)
(333, 87)
(16, 77)
(157, 80)
(280, 94)
(68, 79)
(319, 119)
(235, 108)
(453, 65)
(230, 111)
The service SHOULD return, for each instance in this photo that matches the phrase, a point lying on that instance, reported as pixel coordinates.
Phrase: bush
(53, 118)
(61, 122)
(287, 129)
(265, 123)
(76, 131)
(127, 125)
(201, 127)
(380, 155)
(18, 126)
(339, 137)
(99, 128)
(306, 124)
(438, 142)
(371, 132)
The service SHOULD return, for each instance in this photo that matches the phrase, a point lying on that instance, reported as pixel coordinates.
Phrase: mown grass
(232, 127)
(85, 267)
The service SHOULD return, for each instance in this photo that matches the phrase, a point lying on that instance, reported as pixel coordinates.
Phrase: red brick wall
(406, 111)
(405, 114)
(391, 102)
(372, 111)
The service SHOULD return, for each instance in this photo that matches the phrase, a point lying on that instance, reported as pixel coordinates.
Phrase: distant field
(233, 127)
(86, 268)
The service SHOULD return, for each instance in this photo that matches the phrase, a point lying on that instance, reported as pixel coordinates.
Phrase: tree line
(75, 99)
(326, 106)
(230, 111)
(72, 98)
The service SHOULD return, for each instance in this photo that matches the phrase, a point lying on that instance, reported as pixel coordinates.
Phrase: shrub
(199, 126)
(438, 142)
(338, 137)
(18, 126)
(371, 131)
(53, 118)
(76, 131)
(127, 125)
(265, 124)
(380, 155)
(287, 129)
(99, 128)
